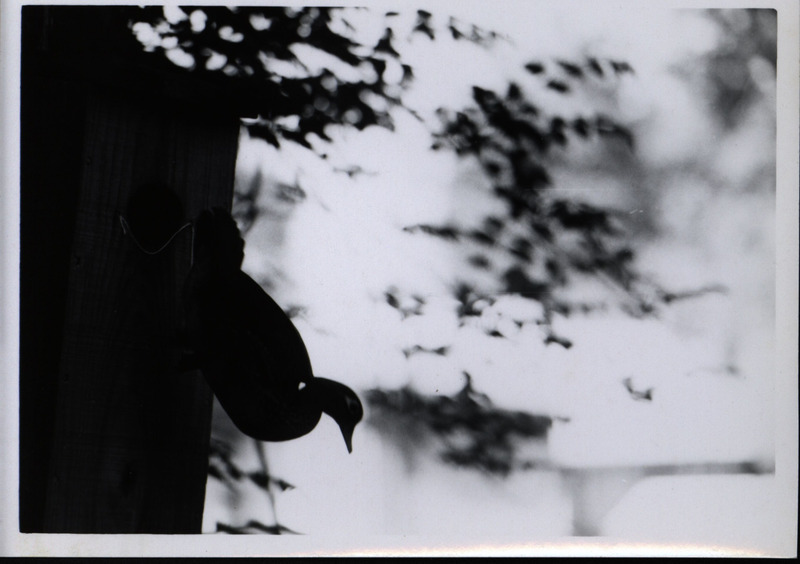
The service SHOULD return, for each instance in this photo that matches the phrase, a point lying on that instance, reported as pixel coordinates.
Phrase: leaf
(423, 24)
(571, 69)
(529, 175)
(493, 168)
(384, 45)
(230, 529)
(294, 311)
(558, 86)
(542, 230)
(557, 128)
(405, 310)
(283, 484)
(482, 237)
(493, 225)
(276, 529)
(230, 468)
(260, 479)
(669, 297)
(261, 131)
(552, 338)
(518, 282)
(486, 99)
(534, 67)
(445, 232)
(639, 395)
(454, 31)
(408, 75)
(514, 92)
(621, 67)
(480, 261)
(594, 64)
(581, 127)
(392, 300)
(216, 473)
(252, 526)
(411, 351)
(522, 249)
(470, 303)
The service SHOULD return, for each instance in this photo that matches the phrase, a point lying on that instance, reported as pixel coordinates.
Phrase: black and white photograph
(437, 278)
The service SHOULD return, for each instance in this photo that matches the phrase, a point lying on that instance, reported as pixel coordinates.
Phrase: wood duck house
(119, 149)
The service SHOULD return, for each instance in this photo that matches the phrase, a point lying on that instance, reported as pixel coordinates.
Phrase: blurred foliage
(544, 241)
(254, 527)
(746, 56)
(545, 238)
(222, 468)
(254, 50)
(474, 432)
(539, 247)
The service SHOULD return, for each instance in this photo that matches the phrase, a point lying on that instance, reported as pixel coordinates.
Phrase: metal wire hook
(126, 229)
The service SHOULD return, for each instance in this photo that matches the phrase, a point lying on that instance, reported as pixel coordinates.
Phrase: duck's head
(342, 404)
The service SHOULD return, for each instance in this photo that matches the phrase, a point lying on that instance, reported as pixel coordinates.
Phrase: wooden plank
(50, 176)
(131, 435)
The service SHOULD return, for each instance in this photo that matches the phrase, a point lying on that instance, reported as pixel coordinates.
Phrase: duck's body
(249, 350)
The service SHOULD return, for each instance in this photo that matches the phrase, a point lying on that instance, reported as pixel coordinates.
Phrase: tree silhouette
(260, 50)
(537, 249)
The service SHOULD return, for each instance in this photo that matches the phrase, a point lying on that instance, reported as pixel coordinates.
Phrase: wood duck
(249, 350)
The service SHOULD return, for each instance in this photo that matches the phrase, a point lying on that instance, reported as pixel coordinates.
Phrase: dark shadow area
(99, 406)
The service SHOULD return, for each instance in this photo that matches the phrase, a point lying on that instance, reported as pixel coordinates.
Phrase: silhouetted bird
(248, 349)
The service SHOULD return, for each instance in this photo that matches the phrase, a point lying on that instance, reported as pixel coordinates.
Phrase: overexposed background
(702, 194)
(700, 190)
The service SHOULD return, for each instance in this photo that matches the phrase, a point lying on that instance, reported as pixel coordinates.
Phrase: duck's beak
(347, 433)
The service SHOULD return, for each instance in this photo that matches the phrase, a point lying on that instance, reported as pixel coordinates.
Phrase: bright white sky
(342, 248)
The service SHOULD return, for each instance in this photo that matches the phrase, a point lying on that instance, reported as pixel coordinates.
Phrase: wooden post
(113, 439)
